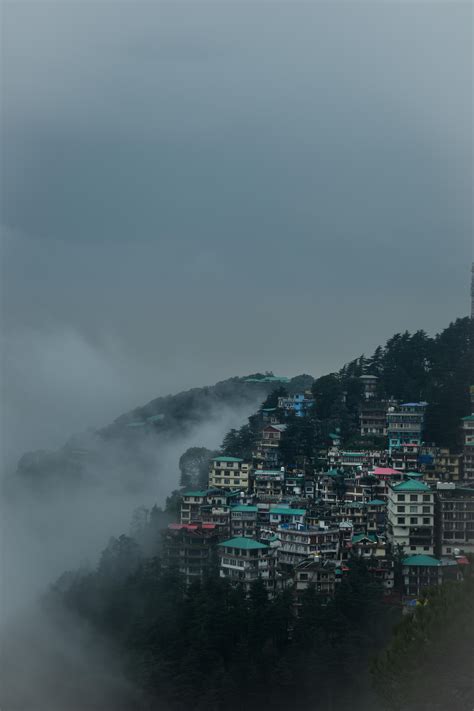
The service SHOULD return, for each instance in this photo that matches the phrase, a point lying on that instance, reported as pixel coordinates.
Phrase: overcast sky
(197, 190)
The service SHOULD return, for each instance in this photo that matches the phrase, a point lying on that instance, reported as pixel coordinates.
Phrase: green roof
(243, 507)
(227, 459)
(411, 485)
(421, 560)
(414, 474)
(243, 543)
(360, 537)
(155, 418)
(202, 492)
(376, 502)
(287, 510)
(469, 418)
(268, 409)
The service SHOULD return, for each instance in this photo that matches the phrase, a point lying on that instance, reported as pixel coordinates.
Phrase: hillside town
(406, 509)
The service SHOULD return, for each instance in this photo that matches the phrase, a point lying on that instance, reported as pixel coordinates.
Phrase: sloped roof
(287, 510)
(227, 459)
(363, 536)
(243, 507)
(422, 561)
(243, 543)
(376, 502)
(411, 485)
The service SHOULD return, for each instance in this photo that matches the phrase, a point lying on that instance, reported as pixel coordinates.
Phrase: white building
(411, 517)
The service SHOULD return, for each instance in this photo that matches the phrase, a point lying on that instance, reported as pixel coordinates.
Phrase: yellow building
(229, 473)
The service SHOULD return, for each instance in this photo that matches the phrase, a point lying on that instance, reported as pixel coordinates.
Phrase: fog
(192, 191)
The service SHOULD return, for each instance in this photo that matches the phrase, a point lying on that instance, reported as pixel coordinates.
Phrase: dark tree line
(213, 647)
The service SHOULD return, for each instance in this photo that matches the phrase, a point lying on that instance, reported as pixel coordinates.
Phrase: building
(468, 447)
(229, 473)
(286, 514)
(369, 383)
(410, 516)
(373, 419)
(376, 516)
(454, 519)
(405, 424)
(321, 574)
(244, 560)
(299, 542)
(268, 447)
(269, 484)
(243, 521)
(191, 549)
(299, 403)
(191, 502)
(421, 572)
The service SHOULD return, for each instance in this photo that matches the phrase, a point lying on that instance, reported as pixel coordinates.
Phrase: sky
(196, 190)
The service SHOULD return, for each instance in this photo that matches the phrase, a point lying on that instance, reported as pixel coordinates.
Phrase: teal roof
(356, 504)
(284, 510)
(227, 459)
(243, 507)
(361, 536)
(411, 485)
(243, 543)
(414, 474)
(155, 418)
(469, 418)
(268, 409)
(376, 502)
(421, 560)
(202, 492)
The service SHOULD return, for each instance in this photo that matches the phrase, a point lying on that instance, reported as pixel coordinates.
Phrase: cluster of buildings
(407, 510)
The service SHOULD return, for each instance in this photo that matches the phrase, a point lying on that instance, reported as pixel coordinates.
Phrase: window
(413, 497)
(426, 497)
(426, 521)
(303, 576)
(413, 509)
(401, 497)
(401, 521)
(414, 521)
(426, 509)
(401, 509)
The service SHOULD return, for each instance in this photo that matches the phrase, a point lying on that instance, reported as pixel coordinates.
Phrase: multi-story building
(229, 473)
(468, 447)
(243, 521)
(299, 403)
(267, 449)
(244, 560)
(321, 574)
(191, 503)
(405, 457)
(373, 419)
(369, 384)
(269, 484)
(454, 519)
(405, 424)
(190, 548)
(286, 514)
(299, 542)
(376, 516)
(421, 572)
(410, 516)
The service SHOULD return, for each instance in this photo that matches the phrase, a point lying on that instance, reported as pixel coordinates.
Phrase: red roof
(385, 471)
(462, 560)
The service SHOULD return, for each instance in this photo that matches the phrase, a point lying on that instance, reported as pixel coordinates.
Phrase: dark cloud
(193, 190)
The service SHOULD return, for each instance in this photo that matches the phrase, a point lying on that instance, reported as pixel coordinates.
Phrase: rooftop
(243, 507)
(242, 543)
(411, 485)
(364, 536)
(422, 561)
(286, 510)
(227, 459)
(376, 502)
